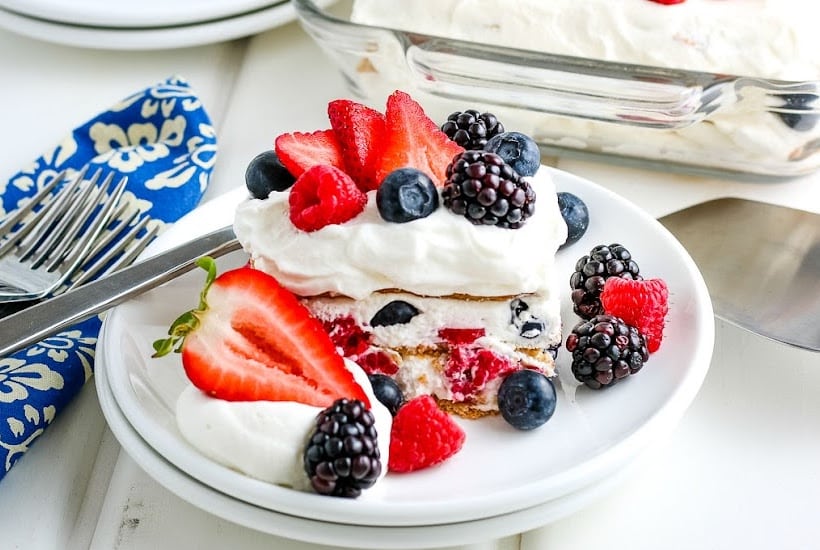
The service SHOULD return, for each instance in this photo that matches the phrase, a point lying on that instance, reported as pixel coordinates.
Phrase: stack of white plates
(503, 481)
(142, 24)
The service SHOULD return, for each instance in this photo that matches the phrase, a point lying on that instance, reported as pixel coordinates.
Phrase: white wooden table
(741, 471)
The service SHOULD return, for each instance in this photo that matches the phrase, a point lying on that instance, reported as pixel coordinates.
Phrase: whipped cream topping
(440, 255)
(264, 439)
(763, 38)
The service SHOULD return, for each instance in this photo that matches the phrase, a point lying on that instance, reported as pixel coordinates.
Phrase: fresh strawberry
(360, 134)
(324, 195)
(250, 339)
(299, 151)
(422, 436)
(414, 140)
(642, 304)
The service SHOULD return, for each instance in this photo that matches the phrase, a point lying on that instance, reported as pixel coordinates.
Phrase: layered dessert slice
(425, 262)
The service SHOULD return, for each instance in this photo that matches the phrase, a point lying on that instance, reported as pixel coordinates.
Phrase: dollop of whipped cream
(440, 255)
(264, 439)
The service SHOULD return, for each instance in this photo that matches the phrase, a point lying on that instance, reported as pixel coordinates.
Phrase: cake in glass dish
(709, 86)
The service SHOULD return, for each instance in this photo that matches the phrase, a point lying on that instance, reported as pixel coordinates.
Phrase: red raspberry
(456, 336)
(324, 195)
(347, 335)
(422, 436)
(669, 2)
(642, 304)
(470, 368)
(377, 362)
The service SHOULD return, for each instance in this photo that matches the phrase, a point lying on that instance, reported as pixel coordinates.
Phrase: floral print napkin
(162, 139)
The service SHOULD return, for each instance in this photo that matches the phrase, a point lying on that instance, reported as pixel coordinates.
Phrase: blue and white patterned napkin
(163, 140)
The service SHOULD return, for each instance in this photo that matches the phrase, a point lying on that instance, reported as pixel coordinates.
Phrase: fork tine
(10, 222)
(66, 236)
(48, 228)
(126, 255)
(42, 218)
(84, 244)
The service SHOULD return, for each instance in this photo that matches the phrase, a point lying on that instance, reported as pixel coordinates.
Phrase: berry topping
(458, 336)
(413, 141)
(472, 129)
(484, 189)
(360, 133)
(642, 304)
(801, 113)
(422, 436)
(387, 392)
(518, 150)
(250, 339)
(526, 399)
(342, 455)
(266, 174)
(324, 195)
(378, 361)
(668, 2)
(299, 151)
(347, 335)
(576, 216)
(405, 195)
(593, 270)
(470, 368)
(605, 350)
(397, 312)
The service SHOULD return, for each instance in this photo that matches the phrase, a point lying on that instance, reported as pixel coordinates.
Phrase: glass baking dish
(695, 122)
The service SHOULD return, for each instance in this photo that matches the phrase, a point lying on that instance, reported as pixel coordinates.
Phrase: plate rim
(148, 39)
(593, 468)
(316, 531)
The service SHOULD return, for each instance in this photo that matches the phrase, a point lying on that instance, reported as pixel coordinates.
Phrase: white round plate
(335, 534)
(134, 13)
(151, 38)
(499, 470)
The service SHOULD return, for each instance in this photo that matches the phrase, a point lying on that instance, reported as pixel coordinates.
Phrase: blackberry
(342, 456)
(472, 129)
(484, 189)
(592, 270)
(605, 350)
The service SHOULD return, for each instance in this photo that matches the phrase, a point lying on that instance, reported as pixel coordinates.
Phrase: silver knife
(49, 317)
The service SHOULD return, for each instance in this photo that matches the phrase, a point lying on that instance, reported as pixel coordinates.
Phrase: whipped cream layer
(440, 255)
(763, 38)
(264, 439)
(529, 321)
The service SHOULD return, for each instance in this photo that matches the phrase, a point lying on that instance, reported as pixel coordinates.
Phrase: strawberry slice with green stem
(250, 339)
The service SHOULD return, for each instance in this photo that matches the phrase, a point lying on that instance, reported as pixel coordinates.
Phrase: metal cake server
(761, 263)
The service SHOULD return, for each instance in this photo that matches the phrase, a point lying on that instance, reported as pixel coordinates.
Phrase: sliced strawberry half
(414, 140)
(299, 151)
(252, 340)
(360, 133)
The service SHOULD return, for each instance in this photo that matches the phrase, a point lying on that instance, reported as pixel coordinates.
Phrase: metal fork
(40, 249)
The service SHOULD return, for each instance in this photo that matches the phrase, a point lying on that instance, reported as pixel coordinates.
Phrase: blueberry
(801, 122)
(517, 150)
(526, 399)
(397, 312)
(387, 392)
(405, 195)
(575, 214)
(266, 174)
